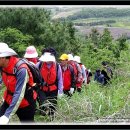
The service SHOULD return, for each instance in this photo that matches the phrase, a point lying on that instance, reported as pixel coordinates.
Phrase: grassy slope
(95, 101)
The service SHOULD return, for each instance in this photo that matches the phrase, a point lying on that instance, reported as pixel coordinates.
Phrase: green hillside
(22, 27)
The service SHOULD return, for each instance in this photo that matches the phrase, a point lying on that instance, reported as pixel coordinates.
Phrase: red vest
(67, 79)
(79, 84)
(73, 64)
(49, 75)
(10, 82)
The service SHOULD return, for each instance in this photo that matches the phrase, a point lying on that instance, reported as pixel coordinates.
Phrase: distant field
(115, 31)
(65, 13)
(120, 21)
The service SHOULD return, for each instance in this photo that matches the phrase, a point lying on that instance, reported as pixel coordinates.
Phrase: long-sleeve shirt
(22, 79)
(60, 80)
(84, 73)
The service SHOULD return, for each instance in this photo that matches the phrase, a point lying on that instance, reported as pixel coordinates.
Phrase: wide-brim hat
(77, 59)
(70, 57)
(6, 51)
(34, 55)
(31, 52)
(46, 57)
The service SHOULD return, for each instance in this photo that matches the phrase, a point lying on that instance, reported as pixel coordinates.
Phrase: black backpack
(37, 78)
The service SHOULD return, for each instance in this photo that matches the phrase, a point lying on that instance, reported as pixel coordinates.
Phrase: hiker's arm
(84, 74)
(60, 80)
(79, 73)
(37, 65)
(22, 79)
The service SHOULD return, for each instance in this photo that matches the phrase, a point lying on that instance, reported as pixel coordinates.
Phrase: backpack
(37, 78)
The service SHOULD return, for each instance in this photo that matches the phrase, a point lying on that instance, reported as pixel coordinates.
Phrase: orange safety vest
(67, 79)
(10, 82)
(79, 84)
(49, 75)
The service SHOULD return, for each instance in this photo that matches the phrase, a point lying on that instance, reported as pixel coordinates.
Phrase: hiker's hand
(60, 95)
(71, 90)
(4, 120)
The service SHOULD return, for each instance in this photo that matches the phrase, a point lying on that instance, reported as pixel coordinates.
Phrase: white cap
(5, 51)
(70, 57)
(46, 57)
(31, 52)
(77, 59)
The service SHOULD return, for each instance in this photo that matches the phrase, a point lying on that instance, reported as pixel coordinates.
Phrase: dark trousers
(51, 98)
(66, 92)
(25, 114)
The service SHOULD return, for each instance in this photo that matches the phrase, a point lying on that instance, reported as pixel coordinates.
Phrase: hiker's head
(70, 57)
(31, 52)
(50, 50)
(104, 63)
(64, 59)
(98, 71)
(5, 54)
(47, 57)
(77, 59)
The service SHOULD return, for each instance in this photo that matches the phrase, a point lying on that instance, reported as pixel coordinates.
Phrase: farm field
(116, 32)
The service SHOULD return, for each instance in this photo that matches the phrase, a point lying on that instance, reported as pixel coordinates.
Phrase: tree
(106, 39)
(16, 39)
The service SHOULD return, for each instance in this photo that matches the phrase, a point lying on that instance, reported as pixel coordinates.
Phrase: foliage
(36, 22)
(99, 12)
(16, 39)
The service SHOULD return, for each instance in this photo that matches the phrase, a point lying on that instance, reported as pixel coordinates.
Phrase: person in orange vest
(18, 97)
(68, 75)
(80, 80)
(77, 71)
(53, 83)
(31, 54)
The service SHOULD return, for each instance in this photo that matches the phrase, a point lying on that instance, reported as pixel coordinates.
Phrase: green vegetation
(23, 27)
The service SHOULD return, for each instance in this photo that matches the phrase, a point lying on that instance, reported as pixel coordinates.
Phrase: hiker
(99, 77)
(50, 50)
(18, 96)
(88, 75)
(106, 71)
(68, 75)
(31, 54)
(83, 73)
(53, 83)
(77, 72)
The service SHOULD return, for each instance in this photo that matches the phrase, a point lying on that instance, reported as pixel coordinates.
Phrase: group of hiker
(56, 79)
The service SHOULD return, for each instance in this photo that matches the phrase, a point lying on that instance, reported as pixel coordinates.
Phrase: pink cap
(31, 52)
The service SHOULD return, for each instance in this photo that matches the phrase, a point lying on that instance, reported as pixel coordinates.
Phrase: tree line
(21, 27)
(98, 13)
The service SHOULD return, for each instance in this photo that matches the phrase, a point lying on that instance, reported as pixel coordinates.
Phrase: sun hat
(64, 57)
(3, 45)
(5, 51)
(46, 57)
(31, 52)
(70, 57)
(77, 59)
